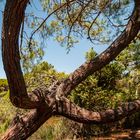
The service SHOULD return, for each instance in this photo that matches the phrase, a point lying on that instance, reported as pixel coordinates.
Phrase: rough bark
(25, 126)
(78, 114)
(12, 19)
(51, 101)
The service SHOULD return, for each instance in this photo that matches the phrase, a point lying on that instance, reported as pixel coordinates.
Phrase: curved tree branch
(14, 11)
(70, 110)
(108, 55)
(25, 126)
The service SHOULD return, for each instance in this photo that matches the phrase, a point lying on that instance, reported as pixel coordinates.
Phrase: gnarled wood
(78, 114)
(27, 125)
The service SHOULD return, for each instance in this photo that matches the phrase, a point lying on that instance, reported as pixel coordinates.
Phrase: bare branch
(32, 34)
(89, 37)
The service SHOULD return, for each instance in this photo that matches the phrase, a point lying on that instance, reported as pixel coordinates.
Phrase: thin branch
(25, 34)
(76, 20)
(89, 37)
(32, 34)
(68, 11)
(121, 25)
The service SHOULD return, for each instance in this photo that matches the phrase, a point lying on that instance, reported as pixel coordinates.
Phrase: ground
(122, 135)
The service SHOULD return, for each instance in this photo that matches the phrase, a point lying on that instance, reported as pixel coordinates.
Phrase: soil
(122, 135)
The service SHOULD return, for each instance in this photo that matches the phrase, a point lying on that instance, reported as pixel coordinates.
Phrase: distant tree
(93, 18)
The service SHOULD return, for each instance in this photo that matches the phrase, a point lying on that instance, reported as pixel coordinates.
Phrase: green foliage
(5, 112)
(53, 129)
(100, 92)
(3, 82)
(42, 74)
(31, 56)
(90, 54)
(97, 90)
(130, 57)
(3, 85)
(109, 88)
(108, 76)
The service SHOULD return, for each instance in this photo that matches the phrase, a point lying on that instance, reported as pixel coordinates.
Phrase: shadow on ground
(125, 135)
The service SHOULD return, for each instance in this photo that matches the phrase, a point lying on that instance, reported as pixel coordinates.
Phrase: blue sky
(2, 73)
(55, 54)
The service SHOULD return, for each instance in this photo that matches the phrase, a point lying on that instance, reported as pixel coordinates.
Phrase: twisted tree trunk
(52, 101)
